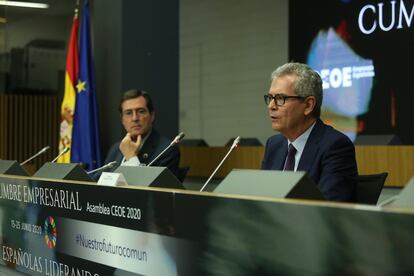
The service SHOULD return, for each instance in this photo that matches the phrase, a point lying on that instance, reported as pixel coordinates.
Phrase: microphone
(65, 150)
(36, 155)
(109, 165)
(235, 144)
(176, 140)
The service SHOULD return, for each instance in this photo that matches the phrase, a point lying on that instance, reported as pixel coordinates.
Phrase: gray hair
(308, 82)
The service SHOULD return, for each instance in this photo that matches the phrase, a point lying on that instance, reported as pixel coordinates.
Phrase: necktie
(290, 160)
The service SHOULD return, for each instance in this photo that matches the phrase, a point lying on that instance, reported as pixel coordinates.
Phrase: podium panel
(406, 197)
(12, 167)
(62, 229)
(69, 171)
(150, 176)
(270, 183)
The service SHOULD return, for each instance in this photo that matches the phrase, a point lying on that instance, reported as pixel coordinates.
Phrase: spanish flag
(69, 98)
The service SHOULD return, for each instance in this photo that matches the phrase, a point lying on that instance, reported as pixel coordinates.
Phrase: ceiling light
(24, 4)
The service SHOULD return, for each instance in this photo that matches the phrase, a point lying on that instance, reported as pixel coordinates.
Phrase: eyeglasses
(129, 113)
(280, 99)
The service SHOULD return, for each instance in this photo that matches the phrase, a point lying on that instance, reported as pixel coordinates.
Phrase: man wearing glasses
(305, 143)
(142, 143)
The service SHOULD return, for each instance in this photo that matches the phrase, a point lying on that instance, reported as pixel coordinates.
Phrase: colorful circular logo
(50, 232)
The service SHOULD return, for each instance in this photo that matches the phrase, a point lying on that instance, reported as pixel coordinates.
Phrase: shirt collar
(300, 142)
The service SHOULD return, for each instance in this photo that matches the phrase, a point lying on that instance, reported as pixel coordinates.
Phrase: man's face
(289, 118)
(136, 118)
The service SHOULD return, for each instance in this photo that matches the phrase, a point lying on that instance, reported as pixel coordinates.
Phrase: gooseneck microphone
(235, 144)
(36, 155)
(176, 140)
(65, 150)
(107, 166)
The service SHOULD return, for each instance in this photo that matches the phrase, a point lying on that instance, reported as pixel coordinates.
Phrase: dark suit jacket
(328, 158)
(153, 146)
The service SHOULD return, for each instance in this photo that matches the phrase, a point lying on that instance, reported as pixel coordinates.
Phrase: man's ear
(310, 104)
(152, 117)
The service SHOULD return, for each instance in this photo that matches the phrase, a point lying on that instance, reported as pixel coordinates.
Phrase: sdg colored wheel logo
(50, 232)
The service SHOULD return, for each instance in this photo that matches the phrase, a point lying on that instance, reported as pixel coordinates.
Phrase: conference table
(398, 161)
(67, 227)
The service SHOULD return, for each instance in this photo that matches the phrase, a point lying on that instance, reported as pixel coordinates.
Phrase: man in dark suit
(305, 143)
(142, 143)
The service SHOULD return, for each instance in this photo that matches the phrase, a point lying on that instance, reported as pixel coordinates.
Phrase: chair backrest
(182, 173)
(369, 187)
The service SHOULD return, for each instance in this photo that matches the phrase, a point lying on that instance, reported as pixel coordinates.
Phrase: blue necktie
(290, 160)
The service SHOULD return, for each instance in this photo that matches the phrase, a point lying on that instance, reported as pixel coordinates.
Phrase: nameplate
(112, 179)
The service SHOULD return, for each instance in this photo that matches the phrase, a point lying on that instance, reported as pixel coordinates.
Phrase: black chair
(182, 173)
(369, 187)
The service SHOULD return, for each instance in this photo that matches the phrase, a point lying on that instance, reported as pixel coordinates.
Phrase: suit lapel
(147, 150)
(115, 155)
(311, 147)
(119, 156)
(281, 152)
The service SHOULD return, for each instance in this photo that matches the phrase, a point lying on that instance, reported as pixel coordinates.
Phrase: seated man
(142, 143)
(305, 143)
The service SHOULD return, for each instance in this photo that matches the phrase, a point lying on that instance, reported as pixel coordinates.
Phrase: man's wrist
(130, 155)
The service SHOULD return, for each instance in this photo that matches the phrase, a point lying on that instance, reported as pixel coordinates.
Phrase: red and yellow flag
(69, 98)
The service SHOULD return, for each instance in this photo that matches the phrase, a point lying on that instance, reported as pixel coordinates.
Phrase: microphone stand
(176, 140)
(235, 143)
(65, 150)
(109, 165)
(36, 155)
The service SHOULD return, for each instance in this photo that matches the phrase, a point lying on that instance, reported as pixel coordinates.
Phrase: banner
(53, 228)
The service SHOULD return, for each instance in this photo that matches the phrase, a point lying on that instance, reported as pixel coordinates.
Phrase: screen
(363, 51)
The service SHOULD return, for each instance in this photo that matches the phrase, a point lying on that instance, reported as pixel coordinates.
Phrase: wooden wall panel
(398, 161)
(27, 124)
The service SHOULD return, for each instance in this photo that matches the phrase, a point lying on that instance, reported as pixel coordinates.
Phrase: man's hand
(128, 147)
